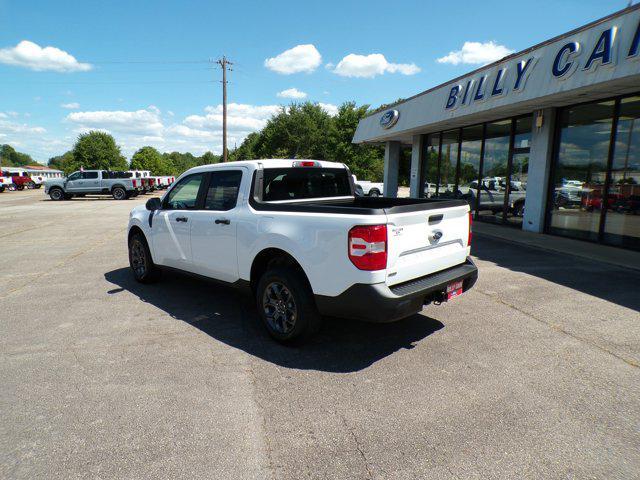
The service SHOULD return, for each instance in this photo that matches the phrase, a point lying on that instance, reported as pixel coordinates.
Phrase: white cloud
(301, 58)
(369, 66)
(292, 93)
(241, 118)
(329, 108)
(195, 133)
(34, 57)
(71, 106)
(3, 115)
(145, 122)
(476, 53)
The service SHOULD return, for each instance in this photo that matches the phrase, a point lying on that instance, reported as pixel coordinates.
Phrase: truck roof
(266, 163)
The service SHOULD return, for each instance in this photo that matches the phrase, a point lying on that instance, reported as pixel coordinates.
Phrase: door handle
(181, 219)
(224, 221)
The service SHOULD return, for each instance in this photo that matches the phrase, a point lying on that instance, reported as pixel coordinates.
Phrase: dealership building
(546, 139)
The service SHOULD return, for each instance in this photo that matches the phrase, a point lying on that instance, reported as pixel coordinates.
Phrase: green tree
(98, 150)
(148, 158)
(9, 157)
(208, 158)
(248, 149)
(365, 161)
(64, 162)
(299, 131)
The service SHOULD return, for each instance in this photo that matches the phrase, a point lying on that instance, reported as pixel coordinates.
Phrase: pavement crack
(559, 328)
(359, 446)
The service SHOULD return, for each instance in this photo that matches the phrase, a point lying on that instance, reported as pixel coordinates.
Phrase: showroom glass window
(494, 168)
(448, 164)
(517, 186)
(430, 165)
(580, 169)
(622, 221)
(470, 151)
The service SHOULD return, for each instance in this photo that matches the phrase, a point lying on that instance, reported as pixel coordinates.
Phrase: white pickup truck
(293, 233)
(371, 189)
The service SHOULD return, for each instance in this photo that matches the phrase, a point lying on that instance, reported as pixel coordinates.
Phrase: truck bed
(359, 205)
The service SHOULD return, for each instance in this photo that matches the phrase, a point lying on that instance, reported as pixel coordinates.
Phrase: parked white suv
(293, 233)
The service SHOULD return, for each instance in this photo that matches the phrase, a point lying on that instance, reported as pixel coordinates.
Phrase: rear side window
(90, 175)
(305, 182)
(222, 193)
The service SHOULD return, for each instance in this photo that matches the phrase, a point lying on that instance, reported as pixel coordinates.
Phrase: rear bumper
(379, 303)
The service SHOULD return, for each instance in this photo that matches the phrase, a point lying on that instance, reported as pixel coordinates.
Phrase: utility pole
(224, 64)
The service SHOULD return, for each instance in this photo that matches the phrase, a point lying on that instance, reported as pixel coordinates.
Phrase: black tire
(374, 193)
(1, 188)
(119, 193)
(56, 194)
(295, 317)
(37, 185)
(518, 210)
(19, 187)
(140, 261)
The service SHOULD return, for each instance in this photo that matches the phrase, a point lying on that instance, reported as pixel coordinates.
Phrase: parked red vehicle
(593, 200)
(20, 182)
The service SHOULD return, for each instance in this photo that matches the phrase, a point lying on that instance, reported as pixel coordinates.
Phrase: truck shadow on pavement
(608, 282)
(226, 315)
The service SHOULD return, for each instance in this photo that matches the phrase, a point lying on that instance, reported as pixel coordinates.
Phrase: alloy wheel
(138, 259)
(279, 307)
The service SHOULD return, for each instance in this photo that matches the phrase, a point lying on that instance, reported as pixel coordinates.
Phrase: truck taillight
(368, 247)
(134, 184)
(470, 229)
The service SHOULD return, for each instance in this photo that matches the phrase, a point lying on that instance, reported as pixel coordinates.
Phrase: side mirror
(153, 204)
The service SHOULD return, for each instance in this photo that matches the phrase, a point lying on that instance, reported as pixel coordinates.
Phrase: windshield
(305, 182)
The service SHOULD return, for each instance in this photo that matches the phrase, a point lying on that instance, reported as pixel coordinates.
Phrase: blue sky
(140, 69)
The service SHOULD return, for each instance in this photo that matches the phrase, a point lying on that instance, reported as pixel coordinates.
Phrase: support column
(391, 168)
(540, 158)
(417, 157)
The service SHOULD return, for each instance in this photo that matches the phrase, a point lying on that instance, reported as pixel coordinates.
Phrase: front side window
(184, 195)
(75, 176)
(222, 193)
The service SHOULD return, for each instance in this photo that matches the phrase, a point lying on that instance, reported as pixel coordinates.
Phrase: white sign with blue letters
(605, 52)
(603, 57)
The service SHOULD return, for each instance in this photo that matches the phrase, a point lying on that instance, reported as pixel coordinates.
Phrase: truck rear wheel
(374, 193)
(142, 266)
(56, 194)
(119, 193)
(286, 305)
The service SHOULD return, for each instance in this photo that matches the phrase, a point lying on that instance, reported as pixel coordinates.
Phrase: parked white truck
(293, 233)
(371, 189)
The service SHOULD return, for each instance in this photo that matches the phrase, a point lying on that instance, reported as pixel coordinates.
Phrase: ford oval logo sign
(389, 119)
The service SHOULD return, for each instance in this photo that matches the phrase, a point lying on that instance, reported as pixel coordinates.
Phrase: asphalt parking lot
(533, 374)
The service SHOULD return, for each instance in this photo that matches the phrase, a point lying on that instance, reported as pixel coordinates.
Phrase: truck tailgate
(425, 242)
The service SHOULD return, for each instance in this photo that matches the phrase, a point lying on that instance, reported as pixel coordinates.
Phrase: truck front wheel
(286, 305)
(140, 261)
(374, 193)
